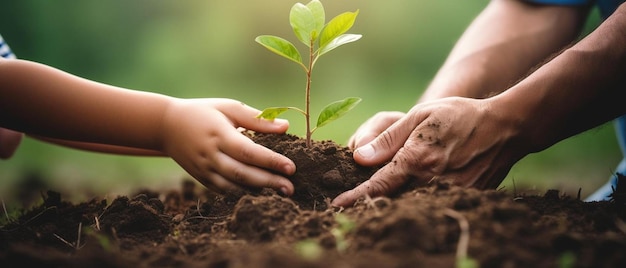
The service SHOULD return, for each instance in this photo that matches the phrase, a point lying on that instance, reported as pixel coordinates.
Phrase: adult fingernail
(339, 200)
(366, 151)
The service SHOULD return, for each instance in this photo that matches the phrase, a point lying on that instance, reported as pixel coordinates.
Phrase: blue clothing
(606, 7)
(5, 50)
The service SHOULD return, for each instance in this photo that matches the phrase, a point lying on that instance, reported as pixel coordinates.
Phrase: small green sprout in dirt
(309, 249)
(345, 225)
(308, 23)
(102, 239)
(567, 260)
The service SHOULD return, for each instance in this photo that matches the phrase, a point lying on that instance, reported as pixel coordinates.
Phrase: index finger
(386, 180)
(244, 150)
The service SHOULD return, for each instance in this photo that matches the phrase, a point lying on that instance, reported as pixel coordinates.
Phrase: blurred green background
(207, 49)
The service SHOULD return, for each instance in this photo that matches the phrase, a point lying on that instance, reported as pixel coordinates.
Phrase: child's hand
(201, 136)
(9, 141)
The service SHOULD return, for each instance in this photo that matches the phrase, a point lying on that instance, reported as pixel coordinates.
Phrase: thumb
(384, 146)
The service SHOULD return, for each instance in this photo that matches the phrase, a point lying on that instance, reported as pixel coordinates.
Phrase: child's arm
(99, 147)
(9, 141)
(199, 134)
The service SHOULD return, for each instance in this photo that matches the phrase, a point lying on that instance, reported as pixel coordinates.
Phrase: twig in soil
(198, 207)
(75, 245)
(461, 249)
(4, 207)
(105, 209)
(341, 209)
(207, 218)
(371, 203)
(202, 216)
(97, 223)
(31, 219)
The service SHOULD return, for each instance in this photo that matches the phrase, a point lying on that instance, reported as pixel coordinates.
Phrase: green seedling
(310, 249)
(567, 260)
(345, 225)
(308, 23)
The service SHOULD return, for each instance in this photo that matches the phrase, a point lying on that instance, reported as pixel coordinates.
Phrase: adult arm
(503, 43)
(477, 141)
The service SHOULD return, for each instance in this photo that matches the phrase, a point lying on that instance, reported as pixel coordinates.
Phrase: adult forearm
(44, 101)
(502, 45)
(578, 90)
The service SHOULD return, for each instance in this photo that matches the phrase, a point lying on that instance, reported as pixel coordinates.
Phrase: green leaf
(303, 23)
(335, 110)
(336, 27)
(319, 15)
(339, 41)
(280, 46)
(272, 113)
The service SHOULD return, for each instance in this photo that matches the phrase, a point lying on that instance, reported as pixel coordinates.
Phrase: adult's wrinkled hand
(449, 138)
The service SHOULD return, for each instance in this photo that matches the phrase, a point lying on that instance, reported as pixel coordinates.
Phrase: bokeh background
(204, 48)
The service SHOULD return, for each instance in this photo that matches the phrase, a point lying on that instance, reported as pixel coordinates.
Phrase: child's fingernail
(281, 121)
(366, 151)
(288, 169)
(284, 191)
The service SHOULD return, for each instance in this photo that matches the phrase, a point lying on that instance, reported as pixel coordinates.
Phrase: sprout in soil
(308, 23)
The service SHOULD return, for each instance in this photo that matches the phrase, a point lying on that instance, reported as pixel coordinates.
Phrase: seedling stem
(308, 23)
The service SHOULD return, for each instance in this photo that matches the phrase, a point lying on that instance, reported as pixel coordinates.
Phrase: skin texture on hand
(437, 140)
(369, 130)
(476, 141)
(201, 135)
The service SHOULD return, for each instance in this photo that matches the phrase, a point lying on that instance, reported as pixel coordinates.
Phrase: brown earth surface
(434, 225)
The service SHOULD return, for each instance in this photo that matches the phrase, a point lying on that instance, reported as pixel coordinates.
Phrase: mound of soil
(434, 225)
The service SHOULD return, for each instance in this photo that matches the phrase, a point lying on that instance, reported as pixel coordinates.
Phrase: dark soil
(421, 226)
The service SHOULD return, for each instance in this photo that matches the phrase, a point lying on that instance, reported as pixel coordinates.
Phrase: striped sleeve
(5, 51)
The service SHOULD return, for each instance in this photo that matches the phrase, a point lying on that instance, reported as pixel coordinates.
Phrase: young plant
(308, 23)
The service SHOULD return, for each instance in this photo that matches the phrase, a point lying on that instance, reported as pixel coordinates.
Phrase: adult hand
(202, 136)
(449, 138)
(369, 130)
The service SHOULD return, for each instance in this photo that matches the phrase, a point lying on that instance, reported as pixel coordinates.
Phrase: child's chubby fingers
(244, 150)
(251, 176)
(216, 182)
(245, 116)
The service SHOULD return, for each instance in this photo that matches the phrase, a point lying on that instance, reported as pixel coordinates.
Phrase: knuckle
(386, 139)
(380, 187)
(246, 153)
(420, 160)
(238, 175)
(272, 183)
